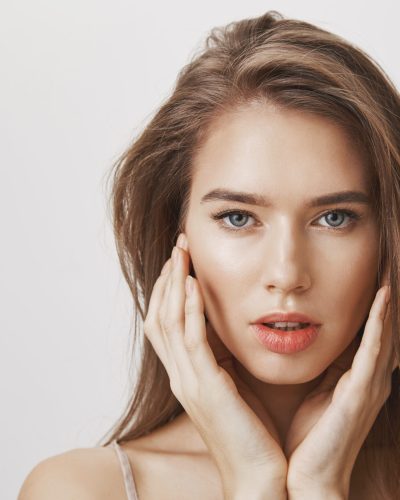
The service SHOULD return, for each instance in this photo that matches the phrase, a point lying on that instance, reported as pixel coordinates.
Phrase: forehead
(263, 148)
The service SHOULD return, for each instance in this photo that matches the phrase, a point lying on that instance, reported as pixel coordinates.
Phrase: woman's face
(287, 255)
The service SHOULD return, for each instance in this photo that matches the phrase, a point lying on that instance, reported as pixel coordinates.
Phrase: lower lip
(284, 342)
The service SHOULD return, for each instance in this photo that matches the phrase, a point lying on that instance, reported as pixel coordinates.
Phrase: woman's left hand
(330, 426)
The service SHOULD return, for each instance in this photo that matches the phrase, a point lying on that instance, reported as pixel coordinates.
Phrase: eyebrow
(258, 199)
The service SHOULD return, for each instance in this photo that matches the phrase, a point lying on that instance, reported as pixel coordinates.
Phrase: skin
(291, 258)
(302, 417)
(323, 400)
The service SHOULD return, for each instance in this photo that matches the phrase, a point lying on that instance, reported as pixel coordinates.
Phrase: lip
(286, 342)
(292, 316)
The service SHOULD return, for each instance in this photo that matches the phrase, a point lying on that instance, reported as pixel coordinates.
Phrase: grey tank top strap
(130, 486)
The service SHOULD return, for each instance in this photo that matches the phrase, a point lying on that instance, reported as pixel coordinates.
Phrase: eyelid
(352, 215)
(218, 216)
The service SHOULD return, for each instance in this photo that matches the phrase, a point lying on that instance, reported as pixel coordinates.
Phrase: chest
(170, 477)
(195, 477)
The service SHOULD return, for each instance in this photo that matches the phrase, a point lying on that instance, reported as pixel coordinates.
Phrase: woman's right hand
(237, 430)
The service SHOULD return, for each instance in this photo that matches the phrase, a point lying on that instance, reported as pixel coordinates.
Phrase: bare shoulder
(81, 473)
(170, 462)
(173, 462)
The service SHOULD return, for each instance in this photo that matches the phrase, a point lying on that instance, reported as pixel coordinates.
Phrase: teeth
(286, 325)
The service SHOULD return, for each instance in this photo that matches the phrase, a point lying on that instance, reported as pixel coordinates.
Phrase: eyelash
(353, 216)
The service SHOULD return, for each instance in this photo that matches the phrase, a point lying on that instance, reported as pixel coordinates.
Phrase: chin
(282, 375)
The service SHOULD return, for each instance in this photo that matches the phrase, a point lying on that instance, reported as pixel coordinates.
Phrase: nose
(287, 261)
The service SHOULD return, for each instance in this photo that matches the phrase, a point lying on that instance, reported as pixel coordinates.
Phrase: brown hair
(292, 64)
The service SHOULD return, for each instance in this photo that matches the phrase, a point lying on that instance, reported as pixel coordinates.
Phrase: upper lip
(286, 316)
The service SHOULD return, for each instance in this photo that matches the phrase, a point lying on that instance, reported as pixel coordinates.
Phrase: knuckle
(190, 343)
(148, 326)
(376, 349)
(171, 325)
(372, 348)
(192, 397)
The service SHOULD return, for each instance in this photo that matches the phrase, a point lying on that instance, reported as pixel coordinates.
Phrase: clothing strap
(130, 487)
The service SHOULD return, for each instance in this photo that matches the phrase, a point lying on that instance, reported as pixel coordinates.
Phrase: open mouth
(287, 326)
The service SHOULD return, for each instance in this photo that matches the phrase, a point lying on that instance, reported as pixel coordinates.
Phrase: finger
(366, 359)
(173, 322)
(222, 354)
(156, 298)
(215, 349)
(387, 358)
(385, 277)
(152, 328)
(164, 312)
(335, 371)
(175, 300)
(386, 339)
(163, 306)
(195, 338)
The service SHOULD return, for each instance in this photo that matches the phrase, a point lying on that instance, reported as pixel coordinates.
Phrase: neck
(279, 401)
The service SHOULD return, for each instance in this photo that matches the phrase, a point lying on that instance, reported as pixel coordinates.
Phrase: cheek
(349, 277)
(221, 273)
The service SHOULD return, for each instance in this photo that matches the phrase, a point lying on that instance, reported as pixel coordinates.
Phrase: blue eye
(235, 217)
(238, 219)
(338, 216)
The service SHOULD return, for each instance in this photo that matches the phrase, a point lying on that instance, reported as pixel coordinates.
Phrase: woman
(270, 339)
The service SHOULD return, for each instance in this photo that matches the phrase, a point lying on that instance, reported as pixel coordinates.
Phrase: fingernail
(182, 241)
(189, 285)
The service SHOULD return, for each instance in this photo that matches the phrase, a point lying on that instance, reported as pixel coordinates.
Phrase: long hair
(292, 64)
